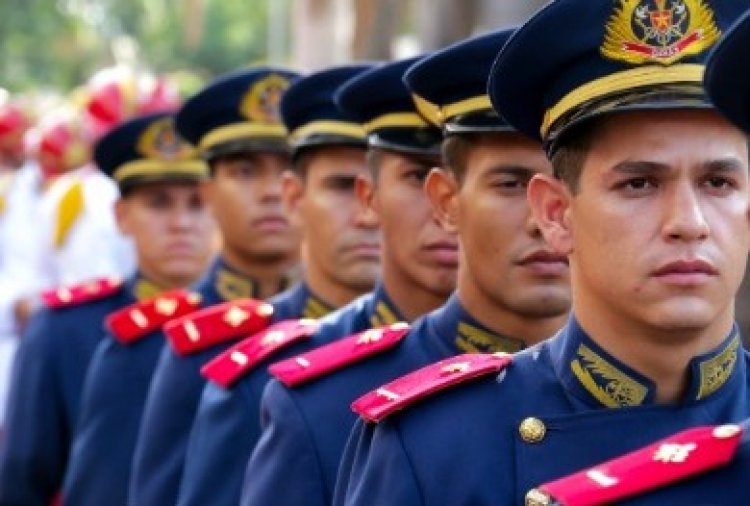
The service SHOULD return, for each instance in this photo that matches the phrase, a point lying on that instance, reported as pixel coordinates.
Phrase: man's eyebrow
(729, 164)
(515, 170)
(640, 167)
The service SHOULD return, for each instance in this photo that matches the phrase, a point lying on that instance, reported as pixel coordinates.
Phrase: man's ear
(364, 188)
(550, 201)
(292, 196)
(121, 216)
(441, 188)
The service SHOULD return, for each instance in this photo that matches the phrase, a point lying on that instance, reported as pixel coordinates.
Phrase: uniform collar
(229, 284)
(142, 288)
(302, 302)
(592, 374)
(459, 332)
(381, 309)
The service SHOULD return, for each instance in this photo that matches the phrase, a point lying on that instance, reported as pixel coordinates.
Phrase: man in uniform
(651, 206)
(342, 261)
(511, 291)
(171, 229)
(236, 124)
(669, 471)
(418, 258)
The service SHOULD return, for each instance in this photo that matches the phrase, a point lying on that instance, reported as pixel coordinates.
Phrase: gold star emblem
(370, 336)
(302, 362)
(165, 306)
(536, 497)
(264, 310)
(387, 394)
(726, 431)
(191, 331)
(272, 337)
(673, 453)
(64, 294)
(139, 318)
(235, 316)
(239, 358)
(456, 367)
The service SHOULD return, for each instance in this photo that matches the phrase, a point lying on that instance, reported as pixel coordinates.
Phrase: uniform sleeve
(34, 445)
(221, 440)
(285, 467)
(378, 472)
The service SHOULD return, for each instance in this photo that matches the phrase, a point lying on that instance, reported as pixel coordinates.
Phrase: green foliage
(58, 44)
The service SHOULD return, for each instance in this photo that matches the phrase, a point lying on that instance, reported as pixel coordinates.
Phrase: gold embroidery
(231, 286)
(315, 308)
(165, 306)
(145, 289)
(475, 340)
(650, 31)
(272, 338)
(239, 358)
(370, 336)
(139, 318)
(261, 102)
(716, 371)
(618, 388)
(387, 316)
(455, 367)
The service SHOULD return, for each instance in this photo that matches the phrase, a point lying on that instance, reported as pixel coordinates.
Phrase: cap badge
(261, 102)
(160, 141)
(659, 31)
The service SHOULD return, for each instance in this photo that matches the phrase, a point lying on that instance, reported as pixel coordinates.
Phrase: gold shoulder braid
(383, 316)
(605, 382)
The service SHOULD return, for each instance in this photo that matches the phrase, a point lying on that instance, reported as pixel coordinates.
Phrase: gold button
(532, 430)
(536, 497)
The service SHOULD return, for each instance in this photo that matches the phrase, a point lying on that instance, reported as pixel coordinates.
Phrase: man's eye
(639, 183)
(719, 183)
(417, 175)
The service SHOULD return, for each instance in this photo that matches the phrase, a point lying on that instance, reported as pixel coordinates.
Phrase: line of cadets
(207, 395)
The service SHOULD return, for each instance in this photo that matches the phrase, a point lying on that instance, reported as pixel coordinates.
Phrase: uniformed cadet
(419, 258)
(651, 206)
(511, 291)
(161, 208)
(235, 122)
(683, 467)
(342, 261)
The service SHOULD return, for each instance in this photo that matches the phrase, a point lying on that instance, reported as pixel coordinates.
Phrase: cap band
(618, 82)
(237, 131)
(331, 127)
(195, 168)
(396, 120)
(473, 104)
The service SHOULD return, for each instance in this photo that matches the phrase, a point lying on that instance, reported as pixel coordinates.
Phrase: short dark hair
(455, 150)
(572, 150)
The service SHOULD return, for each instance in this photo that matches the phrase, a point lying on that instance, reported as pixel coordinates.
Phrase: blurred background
(58, 44)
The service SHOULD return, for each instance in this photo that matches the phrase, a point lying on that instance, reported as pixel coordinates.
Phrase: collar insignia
(605, 382)
(383, 316)
(659, 31)
(472, 339)
(261, 102)
(715, 371)
(231, 286)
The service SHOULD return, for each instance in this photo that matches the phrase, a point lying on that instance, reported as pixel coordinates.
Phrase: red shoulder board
(135, 321)
(80, 294)
(234, 363)
(405, 391)
(218, 324)
(675, 458)
(331, 357)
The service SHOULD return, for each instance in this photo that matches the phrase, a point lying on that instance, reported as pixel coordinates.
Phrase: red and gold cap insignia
(160, 141)
(261, 102)
(659, 31)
